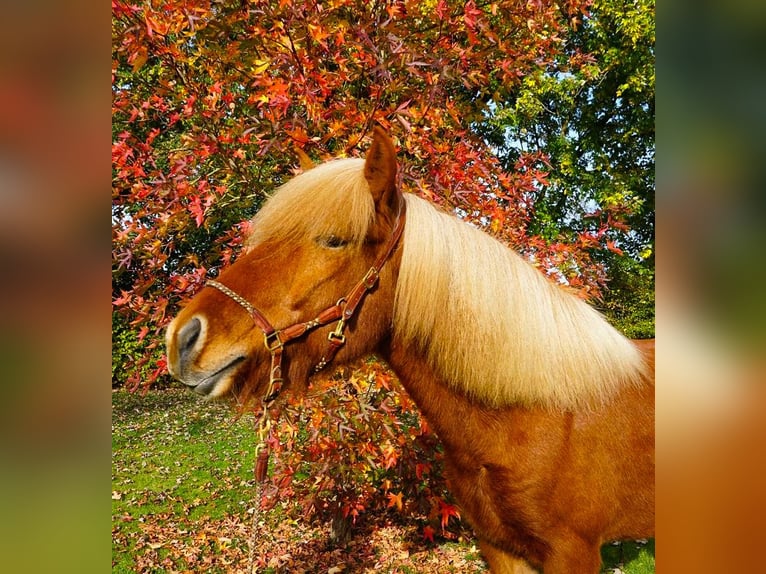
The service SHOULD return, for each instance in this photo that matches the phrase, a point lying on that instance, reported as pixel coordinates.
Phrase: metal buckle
(340, 338)
(337, 335)
(272, 341)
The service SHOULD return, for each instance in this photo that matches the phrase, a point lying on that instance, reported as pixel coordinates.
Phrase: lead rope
(260, 471)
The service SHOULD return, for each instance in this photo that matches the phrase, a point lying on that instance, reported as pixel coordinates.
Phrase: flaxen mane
(495, 327)
(489, 323)
(332, 198)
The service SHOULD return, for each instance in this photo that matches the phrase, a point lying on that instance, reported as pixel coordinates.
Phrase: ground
(182, 501)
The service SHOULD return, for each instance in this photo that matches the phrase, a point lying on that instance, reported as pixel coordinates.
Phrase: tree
(591, 114)
(211, 100)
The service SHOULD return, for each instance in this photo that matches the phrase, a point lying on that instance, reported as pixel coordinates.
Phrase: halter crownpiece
(275, 339)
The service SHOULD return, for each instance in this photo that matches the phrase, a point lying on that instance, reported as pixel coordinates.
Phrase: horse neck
(461, 423)
(471, 431)
(435, 400)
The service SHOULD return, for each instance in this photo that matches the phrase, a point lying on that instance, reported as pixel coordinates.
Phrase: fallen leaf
(395, 500)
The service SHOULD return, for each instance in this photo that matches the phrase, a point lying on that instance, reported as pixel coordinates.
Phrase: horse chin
(219, 383)
(214, 387)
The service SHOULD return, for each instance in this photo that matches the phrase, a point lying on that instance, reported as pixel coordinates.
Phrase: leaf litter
(172, 516)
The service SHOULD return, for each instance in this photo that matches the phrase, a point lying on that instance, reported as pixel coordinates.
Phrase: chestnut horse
(545, 411)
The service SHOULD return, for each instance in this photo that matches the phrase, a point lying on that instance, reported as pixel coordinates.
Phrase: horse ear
(380, 171)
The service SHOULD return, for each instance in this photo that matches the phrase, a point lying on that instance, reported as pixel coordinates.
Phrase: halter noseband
(275, 339)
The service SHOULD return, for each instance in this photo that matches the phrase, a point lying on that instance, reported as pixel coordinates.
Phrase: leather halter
(275, 339)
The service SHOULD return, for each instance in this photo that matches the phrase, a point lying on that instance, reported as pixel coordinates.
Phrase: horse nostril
(187, 336)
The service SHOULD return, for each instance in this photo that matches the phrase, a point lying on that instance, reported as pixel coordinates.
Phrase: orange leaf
(305, 160)
(383, 380)
(395, 500)
(141, 56)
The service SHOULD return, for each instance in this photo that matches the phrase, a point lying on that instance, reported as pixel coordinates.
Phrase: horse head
(316, 279)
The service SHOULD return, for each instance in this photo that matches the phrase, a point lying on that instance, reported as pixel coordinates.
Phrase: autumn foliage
(211, 100)
(355, 444)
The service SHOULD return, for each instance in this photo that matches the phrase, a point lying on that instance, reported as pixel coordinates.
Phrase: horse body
(545, 411)
(546, 485)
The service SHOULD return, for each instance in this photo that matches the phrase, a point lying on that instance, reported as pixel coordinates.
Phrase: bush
(356, 443)
(133, 355)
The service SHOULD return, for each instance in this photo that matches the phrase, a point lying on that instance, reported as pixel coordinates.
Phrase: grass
(629, 557)
(182, 485)
(178, 464)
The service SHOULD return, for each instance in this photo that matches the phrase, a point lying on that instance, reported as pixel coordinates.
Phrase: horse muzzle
(184, 347)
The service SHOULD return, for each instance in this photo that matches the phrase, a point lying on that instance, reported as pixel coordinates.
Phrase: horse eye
(333, 242)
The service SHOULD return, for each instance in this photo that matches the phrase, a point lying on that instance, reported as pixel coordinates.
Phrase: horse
(545, 411)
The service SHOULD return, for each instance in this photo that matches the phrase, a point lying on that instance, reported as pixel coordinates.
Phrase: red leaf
(195, 207)
(446, 511)
(471, 14)
(126, 297)
(612, 247)
(442, 10)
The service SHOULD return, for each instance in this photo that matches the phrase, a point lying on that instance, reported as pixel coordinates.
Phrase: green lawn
(179, 466)
(182, 484)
